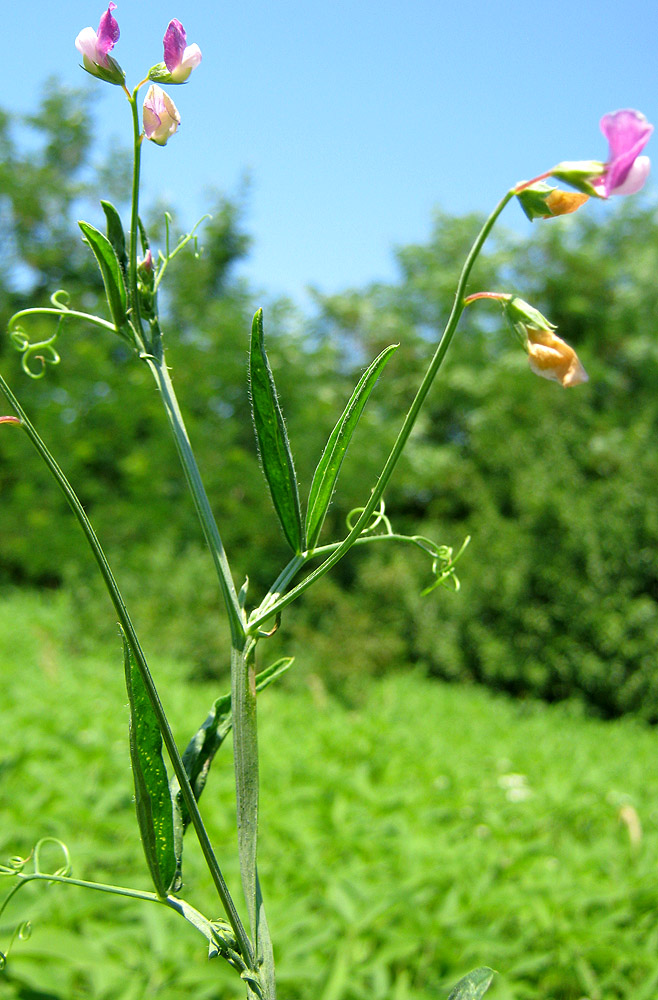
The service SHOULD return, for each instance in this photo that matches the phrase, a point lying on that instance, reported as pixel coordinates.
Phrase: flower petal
(627, 132)
(174, 45)
(108, 33)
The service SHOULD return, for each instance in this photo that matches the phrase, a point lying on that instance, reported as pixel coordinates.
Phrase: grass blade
(272, 438)
(473, 986)
(326, 474)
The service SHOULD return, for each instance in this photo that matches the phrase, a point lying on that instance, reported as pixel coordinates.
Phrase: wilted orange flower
(551, 358)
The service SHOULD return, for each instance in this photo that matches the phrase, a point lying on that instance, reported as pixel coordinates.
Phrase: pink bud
(180, 58)
(161, 118)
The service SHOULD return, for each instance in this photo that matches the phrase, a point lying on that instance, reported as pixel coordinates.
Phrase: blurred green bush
(560, 582)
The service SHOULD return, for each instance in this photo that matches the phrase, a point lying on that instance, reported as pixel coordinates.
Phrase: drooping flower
(541, 201)
(626, 171)
(95, 48)
(160, 115)
(179, 57)
(552, 358)
(548, 354)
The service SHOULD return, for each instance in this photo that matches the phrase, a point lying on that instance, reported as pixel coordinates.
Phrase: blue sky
(354, 120)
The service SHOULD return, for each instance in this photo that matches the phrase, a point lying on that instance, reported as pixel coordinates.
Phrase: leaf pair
(274, 447)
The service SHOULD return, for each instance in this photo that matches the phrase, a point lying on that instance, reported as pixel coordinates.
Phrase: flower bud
(549, 356)
(160, 114)
(179, 58)
(95, 47)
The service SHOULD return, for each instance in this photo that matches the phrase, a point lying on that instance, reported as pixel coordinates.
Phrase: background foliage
(553, 486)
(403, 842)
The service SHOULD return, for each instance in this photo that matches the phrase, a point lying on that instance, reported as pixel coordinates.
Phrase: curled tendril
(378, 518)
(42, 351)
(443, 563)
(65, 869)
(15, 867)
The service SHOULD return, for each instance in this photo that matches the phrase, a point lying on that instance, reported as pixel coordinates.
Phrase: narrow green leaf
(107, 260)
(473, 986)
(273, 440)
(152, 798)
(326, 474)
(116, 235)
(200, 751)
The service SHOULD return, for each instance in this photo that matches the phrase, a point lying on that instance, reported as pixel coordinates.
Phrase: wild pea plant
(132, 274)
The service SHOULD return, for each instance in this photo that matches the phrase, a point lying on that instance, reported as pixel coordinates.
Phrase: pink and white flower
(95, 48)
(160, 115)
(180, 58)
(626, 171)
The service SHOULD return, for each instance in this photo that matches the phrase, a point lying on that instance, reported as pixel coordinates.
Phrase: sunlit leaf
(115, 287)
(152, 798)
(326, 474)
(272, 438)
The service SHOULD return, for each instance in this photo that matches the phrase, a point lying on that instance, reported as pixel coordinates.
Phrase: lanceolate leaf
(152, 798)
(108, 263)
(115, 234)
(473, 986)
(205, 743)
(273, 440)
(326, 474)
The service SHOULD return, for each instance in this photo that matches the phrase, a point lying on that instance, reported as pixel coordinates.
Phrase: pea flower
(625, 171)
(552, 358)
(160, 114)
(179, 58)
(549, 356)
(95, 48)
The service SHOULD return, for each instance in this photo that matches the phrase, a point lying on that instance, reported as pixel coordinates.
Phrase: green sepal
(326, 474)
(152, 798)
(579, 174)
(159, 73)
(272, 438)
(473, 986)
(205, 743)
(116, 235)
(111, 73)
(523, 317)
(108, 263)
(533, 200)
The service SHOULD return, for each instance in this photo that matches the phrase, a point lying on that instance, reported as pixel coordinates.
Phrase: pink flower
(626, 171)
(95, 48)
(161, 118)
(180, 58)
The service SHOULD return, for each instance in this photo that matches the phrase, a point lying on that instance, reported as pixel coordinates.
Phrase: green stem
(134, 218)
(127, 626)
(261, 615)
(201, 502)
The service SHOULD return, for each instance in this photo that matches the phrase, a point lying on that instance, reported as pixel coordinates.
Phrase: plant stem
(200, 497)
(134, 217)
(263, 613)
(127, 626)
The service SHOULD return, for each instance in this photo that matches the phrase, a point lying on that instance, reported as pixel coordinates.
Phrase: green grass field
(427, 831)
